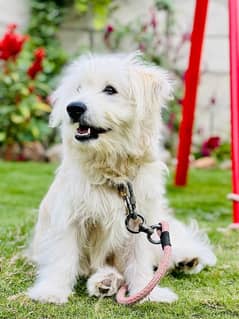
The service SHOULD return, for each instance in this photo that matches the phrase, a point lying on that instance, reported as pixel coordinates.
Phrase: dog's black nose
(75, 110)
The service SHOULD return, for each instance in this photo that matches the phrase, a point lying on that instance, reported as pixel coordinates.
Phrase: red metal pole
(234, 82)
(191, 84)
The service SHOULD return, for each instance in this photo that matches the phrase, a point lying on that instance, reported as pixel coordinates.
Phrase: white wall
(13, 11)
(214, 66)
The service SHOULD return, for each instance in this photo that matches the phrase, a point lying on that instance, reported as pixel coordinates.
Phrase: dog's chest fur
(99, 212)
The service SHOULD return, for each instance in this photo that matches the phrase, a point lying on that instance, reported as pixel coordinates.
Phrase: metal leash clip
(134, 222)
(150, 230)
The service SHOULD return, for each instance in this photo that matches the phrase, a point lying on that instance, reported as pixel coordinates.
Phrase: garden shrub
(28, 65)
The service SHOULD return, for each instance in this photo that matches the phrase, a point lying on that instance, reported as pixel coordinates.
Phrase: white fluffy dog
(108, 107)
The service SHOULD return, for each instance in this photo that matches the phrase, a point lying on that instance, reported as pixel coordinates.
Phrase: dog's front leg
(139, 271)
(58, 262)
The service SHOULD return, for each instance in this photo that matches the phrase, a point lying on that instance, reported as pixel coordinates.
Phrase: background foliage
(46, 18)
(24, 98)
(98, 9)
(151, 34)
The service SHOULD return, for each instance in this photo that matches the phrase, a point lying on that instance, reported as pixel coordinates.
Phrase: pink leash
(162, 268)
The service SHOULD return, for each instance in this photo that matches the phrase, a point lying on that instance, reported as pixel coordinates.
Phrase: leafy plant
(28, 66)
(22, 94)
(223, 152)
(98, 9)
(46, 17)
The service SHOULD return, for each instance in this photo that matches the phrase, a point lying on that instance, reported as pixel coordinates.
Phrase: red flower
(171, 121)
(186, 37)
(180, 101)
(11, 43)
(184, 75)
(210, 144)
(213, 100)
(40, 53)
(109, 29)
(142, 47)
(36, 66)
(153, 21)
(31, 88)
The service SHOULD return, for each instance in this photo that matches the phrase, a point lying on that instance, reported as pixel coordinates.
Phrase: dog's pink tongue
(82, 130)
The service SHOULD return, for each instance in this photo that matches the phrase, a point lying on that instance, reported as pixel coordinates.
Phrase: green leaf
(2, 136)
(17, 119)
(7, 80)
(43, 107)
(25, 111)
(35, 131)
(81, 6)
(24, 91)
(15, 76)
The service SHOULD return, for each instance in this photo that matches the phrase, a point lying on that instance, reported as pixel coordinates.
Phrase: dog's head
(110, 103)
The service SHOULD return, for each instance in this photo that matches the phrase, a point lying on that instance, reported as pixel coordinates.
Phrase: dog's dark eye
(110, 90)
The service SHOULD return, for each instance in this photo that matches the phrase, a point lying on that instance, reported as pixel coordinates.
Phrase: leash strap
(161, 271)
(135, 224)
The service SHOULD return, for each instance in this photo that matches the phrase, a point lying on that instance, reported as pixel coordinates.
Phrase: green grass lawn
(214, 293)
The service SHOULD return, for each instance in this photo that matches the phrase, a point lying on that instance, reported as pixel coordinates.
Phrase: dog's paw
(105, 282)
(190, 266)
(161, 295)
(195, 264)
(46, 293)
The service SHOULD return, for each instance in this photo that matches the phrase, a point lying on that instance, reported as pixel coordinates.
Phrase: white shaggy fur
(80, 229)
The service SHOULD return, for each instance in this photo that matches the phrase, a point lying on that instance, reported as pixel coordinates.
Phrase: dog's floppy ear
(55, 116)
(150, 87)
(58, 97)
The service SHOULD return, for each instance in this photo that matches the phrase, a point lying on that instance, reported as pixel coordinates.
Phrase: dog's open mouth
(85, 133)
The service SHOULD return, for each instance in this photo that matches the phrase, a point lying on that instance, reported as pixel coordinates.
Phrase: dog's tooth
(86, 133)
